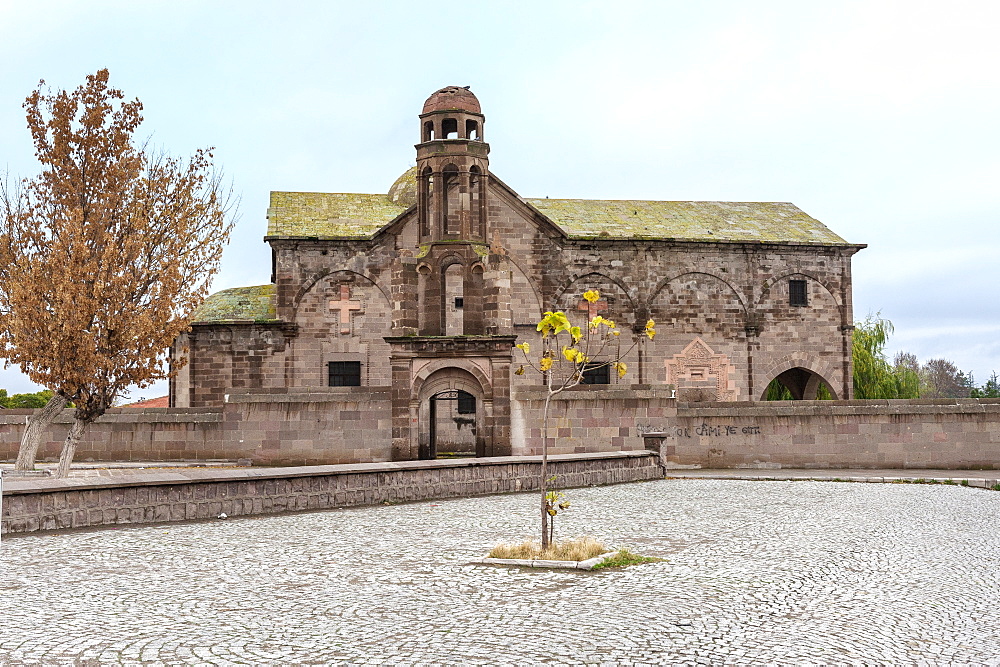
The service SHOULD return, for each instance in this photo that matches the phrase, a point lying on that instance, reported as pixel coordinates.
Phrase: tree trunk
(545, 472)
(32, 437)
(69, 447)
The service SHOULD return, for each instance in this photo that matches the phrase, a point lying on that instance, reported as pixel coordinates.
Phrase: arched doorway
(451, 415)
(798, 384)
(452, 424)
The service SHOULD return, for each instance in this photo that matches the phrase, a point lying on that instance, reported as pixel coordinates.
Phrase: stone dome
(404, 191)
(452, 98)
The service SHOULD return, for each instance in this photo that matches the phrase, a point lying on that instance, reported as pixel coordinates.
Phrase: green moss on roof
(359, 216)
(686, 220)
(329, 215)
(240, 304)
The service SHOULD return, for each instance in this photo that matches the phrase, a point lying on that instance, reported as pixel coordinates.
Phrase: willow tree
(103, 254)
(567, 352)
(874, 376)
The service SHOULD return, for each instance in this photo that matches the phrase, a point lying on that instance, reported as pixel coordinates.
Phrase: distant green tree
(989, 390)
(24, 401)
(874, 376)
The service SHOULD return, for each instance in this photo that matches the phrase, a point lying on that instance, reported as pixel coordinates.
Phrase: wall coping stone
(126, 416)
(589, 394)
(21, 486)
(837, 408)
(314, 395)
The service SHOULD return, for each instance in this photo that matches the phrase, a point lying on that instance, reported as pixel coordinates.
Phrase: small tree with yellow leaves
(567, 352)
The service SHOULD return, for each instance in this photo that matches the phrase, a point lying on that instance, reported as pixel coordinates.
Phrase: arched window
(449, 128)
(428, 131)
(475, 186)
(454, 296)
(426, 200)
(472, 130)
(450, 207)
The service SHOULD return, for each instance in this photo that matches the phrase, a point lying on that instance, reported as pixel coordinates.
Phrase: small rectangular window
(797, 293)
(599, 374)
(459, 302)
(345, 373)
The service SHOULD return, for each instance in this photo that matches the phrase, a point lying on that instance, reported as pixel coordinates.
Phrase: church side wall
(733, 298)
(227, 358)
(337, 295)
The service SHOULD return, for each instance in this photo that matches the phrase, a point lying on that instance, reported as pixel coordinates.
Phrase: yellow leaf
(621, 368)
(592, 295)
(519, 371)
(524, 347)
(545, 364)
(570, 353)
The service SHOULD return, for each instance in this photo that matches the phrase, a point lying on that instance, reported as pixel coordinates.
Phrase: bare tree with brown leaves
(103, 255)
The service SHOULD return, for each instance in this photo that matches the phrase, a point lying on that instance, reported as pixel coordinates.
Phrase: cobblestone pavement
(756, 572)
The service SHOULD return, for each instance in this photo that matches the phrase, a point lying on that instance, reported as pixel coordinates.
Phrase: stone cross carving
(592, 308)
(345, 306)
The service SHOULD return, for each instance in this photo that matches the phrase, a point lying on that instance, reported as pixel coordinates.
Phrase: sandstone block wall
(588, 418)
(963, 433)
(328, 425)
(147, 434)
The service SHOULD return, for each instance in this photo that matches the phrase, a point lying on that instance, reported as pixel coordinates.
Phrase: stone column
(403, 290)
(497, 317)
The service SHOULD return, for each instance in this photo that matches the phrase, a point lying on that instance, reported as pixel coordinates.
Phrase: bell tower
(452, 168)
(452, 326)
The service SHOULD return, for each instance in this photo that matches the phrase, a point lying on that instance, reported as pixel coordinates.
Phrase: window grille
(344, 373)
(466, 403)
(598, 374)
(797, 293)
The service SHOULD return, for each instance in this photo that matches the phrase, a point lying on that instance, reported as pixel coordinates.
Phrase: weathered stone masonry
(34, 505)
(422, 292)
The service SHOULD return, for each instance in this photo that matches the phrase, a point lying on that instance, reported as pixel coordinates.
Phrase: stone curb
(588, 564)
(982, 483)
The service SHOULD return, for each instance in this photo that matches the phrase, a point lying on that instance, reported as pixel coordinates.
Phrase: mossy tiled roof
(685, 220)
(240, 304)
(329, 215)
(359, 216)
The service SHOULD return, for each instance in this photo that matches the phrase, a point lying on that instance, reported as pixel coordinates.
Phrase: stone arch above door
(424, 405)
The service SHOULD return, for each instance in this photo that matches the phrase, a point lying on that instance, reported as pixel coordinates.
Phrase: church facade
(421, 294)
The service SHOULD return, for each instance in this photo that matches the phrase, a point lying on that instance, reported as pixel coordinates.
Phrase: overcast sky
(878, 118)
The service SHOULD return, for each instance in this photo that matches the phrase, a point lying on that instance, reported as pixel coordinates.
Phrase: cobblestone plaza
(776, 572)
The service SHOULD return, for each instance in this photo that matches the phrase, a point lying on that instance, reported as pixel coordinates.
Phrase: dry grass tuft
(579, 549)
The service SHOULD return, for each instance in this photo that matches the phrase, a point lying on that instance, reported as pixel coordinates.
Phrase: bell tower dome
(452, 167)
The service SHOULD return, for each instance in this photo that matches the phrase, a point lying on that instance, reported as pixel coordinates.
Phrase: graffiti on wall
(702, 430)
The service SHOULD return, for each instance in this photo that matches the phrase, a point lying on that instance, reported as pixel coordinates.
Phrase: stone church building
(401, 310)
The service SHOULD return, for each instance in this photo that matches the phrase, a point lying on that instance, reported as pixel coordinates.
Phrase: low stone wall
(330, 425)
(588, 418)
(955, 434)
(35, 504)
(145, 434)
(325, 426)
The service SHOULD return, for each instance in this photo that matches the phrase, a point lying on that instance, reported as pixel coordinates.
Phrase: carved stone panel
(699, 374)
